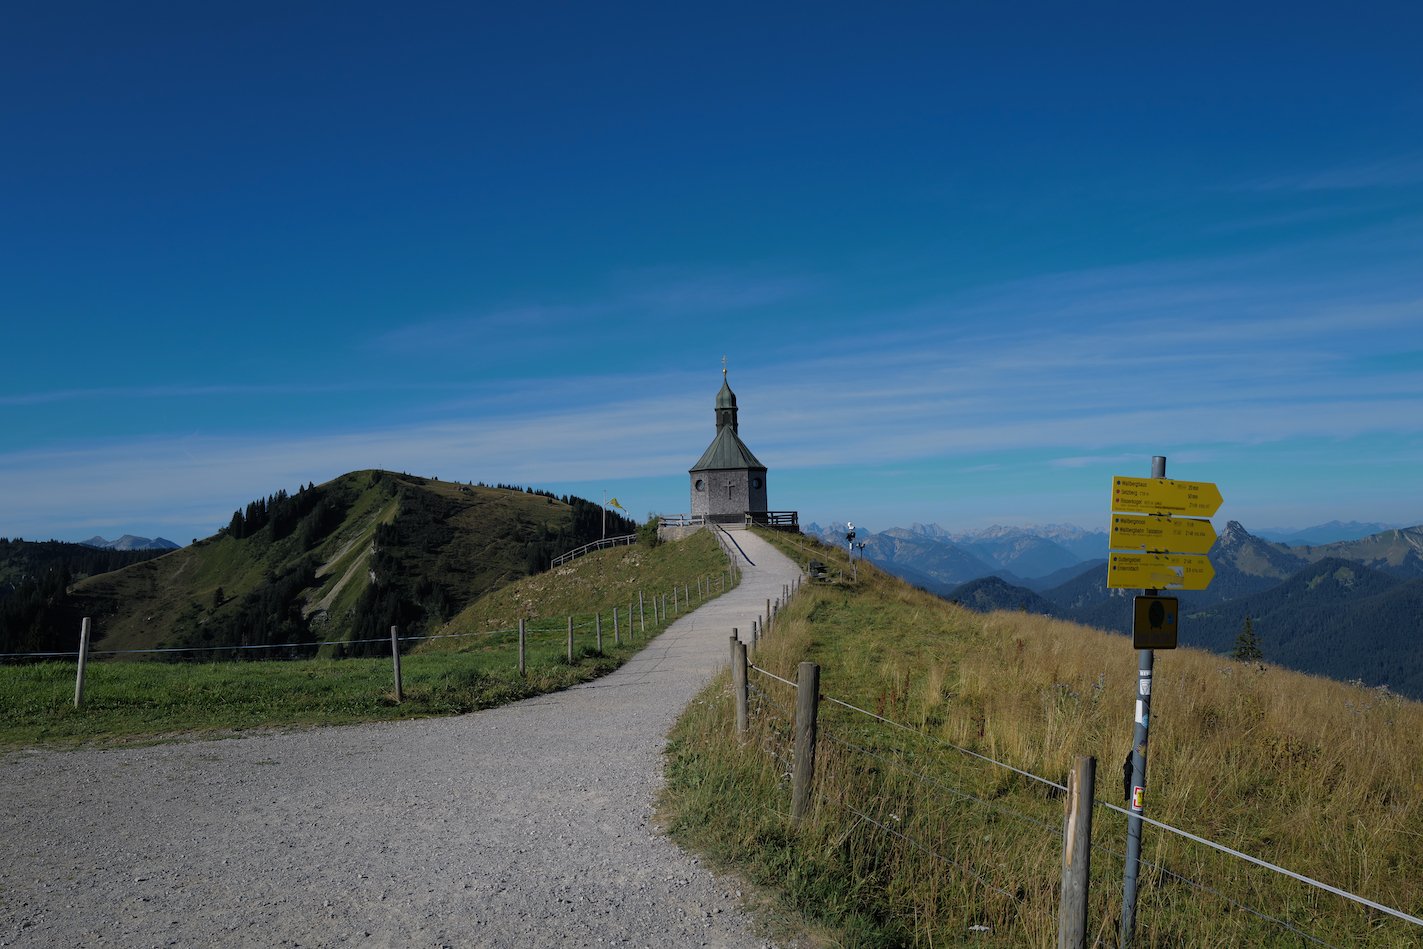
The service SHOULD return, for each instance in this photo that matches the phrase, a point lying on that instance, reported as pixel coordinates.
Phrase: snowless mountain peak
(130, 542)
(1234, 535)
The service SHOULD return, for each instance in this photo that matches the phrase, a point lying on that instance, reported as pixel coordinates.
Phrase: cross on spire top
(723, 366)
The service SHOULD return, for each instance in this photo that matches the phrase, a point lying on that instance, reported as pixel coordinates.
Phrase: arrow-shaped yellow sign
(1164, 496)
(1158, 571)
(1152, 532)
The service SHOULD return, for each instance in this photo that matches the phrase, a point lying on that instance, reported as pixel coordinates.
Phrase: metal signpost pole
(850, 548)
(1145, 660)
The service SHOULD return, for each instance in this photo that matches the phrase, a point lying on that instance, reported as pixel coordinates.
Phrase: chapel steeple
(726, 403)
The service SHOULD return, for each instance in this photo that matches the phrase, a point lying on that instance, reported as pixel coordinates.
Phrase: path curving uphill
(525, 825)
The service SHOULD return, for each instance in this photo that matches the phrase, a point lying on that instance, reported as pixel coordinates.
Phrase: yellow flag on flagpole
(613, 502)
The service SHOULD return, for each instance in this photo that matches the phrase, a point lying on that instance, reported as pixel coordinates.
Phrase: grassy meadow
(474, 667)
(912, 842)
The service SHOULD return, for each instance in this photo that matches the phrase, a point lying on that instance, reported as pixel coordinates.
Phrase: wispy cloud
(1082, 369)
(648, 294)
(1091, 461)
(687, 291)
(466, 333)
(1398, 171)
(173, 392)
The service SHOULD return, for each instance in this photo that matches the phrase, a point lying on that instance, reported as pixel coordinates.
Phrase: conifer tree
(1247, 644)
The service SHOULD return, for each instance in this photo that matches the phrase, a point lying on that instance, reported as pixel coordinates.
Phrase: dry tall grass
(913, 842)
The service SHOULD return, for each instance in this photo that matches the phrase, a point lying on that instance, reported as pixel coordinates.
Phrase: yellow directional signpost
(1156, 544)
(1165, 550)
(1184, 535)
(1163, 496)
(1159, 571)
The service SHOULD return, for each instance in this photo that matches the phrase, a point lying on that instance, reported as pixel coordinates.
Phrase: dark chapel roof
(726, 451)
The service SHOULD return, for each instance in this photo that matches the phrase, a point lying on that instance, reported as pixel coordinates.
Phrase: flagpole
(605, 514)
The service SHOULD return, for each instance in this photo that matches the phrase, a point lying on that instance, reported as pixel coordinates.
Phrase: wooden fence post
(598, 629)
(755, 633)
(83, 660)
(1076, 855)
(807, 705)
(767, 624)
(738, 681)
(570, 640)
(617, 636)
(395, 659)
(641, 616)
(522, 635)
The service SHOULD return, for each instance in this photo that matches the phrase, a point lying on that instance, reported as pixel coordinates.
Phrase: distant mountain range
(939, 560)
(1348, 608)
(130, 542)
(1324, 533)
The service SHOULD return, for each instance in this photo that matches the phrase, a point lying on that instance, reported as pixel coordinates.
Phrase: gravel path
(519, 826)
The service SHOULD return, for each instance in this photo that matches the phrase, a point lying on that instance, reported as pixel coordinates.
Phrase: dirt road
(527, 825)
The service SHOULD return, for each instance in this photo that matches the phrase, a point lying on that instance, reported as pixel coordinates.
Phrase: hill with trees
(34, 579)
(336, 563)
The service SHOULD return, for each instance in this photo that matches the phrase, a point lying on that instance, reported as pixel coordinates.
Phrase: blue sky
(966, 261)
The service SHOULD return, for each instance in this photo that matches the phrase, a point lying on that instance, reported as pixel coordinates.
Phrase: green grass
(148, 701)
(1318, 776)
(597, 583)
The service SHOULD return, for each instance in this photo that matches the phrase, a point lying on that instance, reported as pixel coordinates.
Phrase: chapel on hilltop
(728, 482)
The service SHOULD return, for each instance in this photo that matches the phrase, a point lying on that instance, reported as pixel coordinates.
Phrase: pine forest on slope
(336, 562)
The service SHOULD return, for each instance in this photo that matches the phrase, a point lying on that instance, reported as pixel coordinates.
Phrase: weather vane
(723, 366)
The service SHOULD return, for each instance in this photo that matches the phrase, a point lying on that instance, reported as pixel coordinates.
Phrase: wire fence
(619, 541)
(575, 637)
(658, 605)
(777, 724)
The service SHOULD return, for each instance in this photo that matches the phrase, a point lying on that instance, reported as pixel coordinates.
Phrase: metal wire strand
(947, 744)
(1195, 884)
(237, 648)
(1398, 914)
(770, 674)
(925, 779)
(316, 643)
(1010, 812)
(1018, 815)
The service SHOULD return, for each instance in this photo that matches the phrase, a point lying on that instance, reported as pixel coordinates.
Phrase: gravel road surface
(526, 825)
